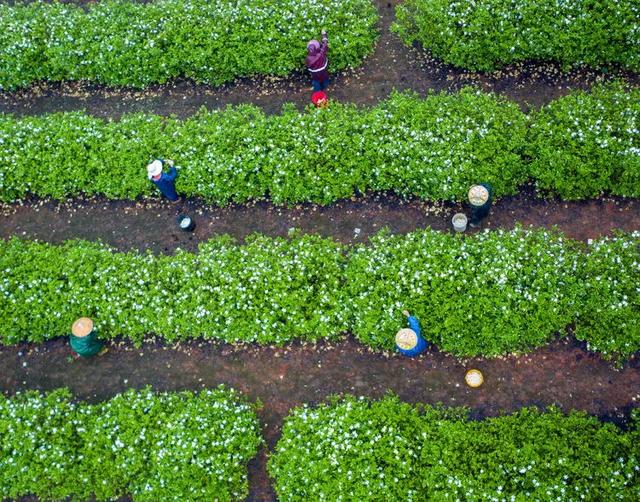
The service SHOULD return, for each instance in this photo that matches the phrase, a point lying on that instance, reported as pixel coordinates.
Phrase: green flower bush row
(268, 290)
(487, 34)
(356, 449)
(586, 144)
(434, 148)
(489, 294)
(186, 446)
(495, 292)
(170, 446)
(119, 42)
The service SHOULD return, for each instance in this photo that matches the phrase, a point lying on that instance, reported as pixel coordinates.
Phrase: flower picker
(164, 181)
(317, 62)
(480, 197)
(84, 339)
(409, 340)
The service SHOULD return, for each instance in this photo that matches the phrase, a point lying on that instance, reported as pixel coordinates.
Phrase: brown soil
(562, 374)
(392, 66)
(152, 225)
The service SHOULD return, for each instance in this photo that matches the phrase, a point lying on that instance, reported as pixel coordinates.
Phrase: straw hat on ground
(478, 195)
(406, 339)
(474, 378)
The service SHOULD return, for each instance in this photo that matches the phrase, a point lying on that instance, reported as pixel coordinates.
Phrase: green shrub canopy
(360, 450)
(610, 302)
(497, 292)
(119, 42)
(170, 446)
(269, 290)
(431, 148)
(434, 148)
(488, 34)
(586, 144)
(489, 294)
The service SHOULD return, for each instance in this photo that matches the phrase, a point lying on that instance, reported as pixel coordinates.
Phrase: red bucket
(320, 99)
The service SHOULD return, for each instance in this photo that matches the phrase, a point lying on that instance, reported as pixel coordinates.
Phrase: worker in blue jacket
(409, 340)
(164, 181)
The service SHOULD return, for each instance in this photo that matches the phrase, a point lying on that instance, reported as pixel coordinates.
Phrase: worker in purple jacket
(317, 62)
(164, 181)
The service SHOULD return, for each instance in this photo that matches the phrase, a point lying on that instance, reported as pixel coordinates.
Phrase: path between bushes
(561, 373)
(392, 66)
(152, 225)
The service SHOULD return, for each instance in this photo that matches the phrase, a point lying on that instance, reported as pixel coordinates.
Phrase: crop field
(244, 341)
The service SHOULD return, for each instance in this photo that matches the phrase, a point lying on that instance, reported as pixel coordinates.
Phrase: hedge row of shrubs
(119, 42)
(434, 148)
(171, 446)
(488, 34)
(355, 449)
(489, 294)
(186, 446)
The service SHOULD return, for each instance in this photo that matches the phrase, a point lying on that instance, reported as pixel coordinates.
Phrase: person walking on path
(164, 181)
(317, 62)
(409, 340)
(480, 197)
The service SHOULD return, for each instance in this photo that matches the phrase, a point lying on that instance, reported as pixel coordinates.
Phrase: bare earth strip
(127, 225)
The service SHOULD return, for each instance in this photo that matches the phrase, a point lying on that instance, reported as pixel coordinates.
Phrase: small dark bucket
(186, 223)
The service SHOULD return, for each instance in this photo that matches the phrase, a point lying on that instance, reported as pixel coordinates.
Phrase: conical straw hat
(82, 327)
(406, 339)
(154, 168)
(478, 195)
(474, 378)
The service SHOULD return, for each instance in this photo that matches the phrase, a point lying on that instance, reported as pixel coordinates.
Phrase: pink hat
(313, 46)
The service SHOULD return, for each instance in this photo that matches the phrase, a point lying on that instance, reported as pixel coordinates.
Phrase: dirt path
(152, 225)
(562, 374)
(391, 66)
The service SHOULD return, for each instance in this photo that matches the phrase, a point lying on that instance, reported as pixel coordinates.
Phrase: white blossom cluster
(356, 449)
(489, 294)
(170, 446)
(585, 144)
(610, 318)
(269, 290)
(119, 42)
(578, 146)
(432, 148)
(496, 292)
(487, 34)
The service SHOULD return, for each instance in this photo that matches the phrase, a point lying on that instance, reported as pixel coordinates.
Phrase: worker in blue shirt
(409, 340)
(164, 181)
(480, 197)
